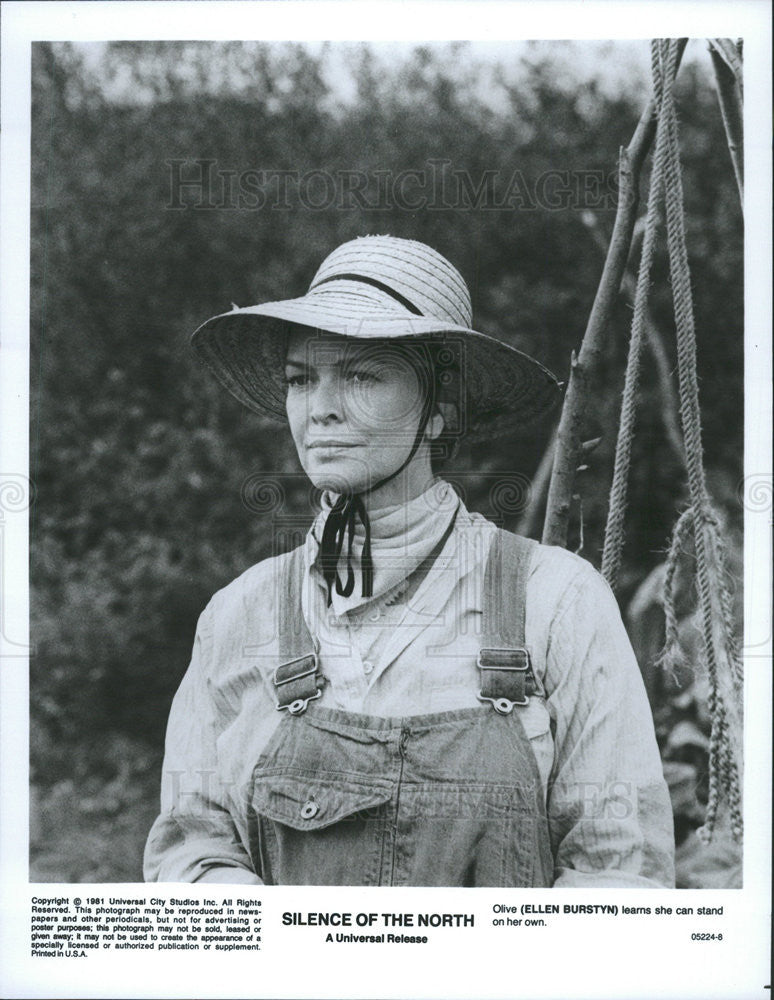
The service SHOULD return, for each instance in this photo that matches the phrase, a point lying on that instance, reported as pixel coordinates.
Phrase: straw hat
(382, 287)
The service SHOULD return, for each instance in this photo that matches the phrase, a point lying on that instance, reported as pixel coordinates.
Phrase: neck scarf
(396, 539)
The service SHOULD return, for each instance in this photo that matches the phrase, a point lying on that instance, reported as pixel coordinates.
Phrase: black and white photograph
(389, 431)
(396, 478)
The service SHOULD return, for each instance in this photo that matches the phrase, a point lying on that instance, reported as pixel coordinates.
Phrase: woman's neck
(410, 483)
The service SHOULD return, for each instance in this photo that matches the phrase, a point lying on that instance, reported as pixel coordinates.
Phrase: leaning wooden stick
(585, 364)
(654, 339)
(726, 62)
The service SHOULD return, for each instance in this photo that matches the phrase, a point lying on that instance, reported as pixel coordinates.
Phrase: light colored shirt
(608, 807)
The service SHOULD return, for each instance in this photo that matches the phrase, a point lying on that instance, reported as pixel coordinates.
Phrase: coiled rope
(724, 667)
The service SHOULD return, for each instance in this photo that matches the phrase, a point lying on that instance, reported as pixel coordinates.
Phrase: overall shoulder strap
(507, 677)
(297, 680)
(505, 589)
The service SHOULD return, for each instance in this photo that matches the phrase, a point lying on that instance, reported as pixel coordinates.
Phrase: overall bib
(446, 799)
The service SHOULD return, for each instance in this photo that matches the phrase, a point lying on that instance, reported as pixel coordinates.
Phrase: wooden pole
(726, 62)
(584, 365)
(654, 341)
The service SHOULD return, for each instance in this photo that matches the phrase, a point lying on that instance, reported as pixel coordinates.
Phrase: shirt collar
(402, 535)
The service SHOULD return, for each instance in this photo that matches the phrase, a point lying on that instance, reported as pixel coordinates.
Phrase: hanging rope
(671, 657)
(614, 530)
(714, 599)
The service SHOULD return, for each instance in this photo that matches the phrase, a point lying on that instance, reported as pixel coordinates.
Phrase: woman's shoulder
(560, 578)
(554, 573)
(256, 589)
(556, 577)
(553, 560)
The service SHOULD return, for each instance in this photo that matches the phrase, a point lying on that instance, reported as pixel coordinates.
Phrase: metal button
(368, 666)
(309, 809)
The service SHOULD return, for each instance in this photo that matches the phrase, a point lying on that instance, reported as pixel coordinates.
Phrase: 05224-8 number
(705, 936)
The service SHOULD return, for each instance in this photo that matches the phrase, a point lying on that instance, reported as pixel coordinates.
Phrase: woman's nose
(325, 401)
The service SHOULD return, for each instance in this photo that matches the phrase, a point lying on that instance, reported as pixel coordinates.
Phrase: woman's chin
(336, 482)
(338, 478)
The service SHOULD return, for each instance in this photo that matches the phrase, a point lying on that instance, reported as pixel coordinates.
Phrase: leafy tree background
(140, 461)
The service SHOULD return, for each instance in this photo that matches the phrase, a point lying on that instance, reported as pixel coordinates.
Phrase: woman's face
(354, 407)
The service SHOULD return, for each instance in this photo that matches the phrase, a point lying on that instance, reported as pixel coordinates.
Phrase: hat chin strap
(341, 521)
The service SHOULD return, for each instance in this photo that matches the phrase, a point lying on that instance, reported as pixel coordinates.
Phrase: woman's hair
(438, 369)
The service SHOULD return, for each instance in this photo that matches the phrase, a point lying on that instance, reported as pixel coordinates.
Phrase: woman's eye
(296, 381)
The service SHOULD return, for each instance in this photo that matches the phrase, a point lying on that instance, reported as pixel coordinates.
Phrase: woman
(412, 696)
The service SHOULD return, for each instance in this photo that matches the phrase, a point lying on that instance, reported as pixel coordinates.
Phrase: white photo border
(595, 959)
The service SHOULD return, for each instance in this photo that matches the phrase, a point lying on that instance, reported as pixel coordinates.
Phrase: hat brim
(504, 390)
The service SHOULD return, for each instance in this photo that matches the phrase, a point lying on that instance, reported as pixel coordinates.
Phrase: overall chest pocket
(319, 829)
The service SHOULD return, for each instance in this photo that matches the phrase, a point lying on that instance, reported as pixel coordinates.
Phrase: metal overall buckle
(502, 705)
(307, 665)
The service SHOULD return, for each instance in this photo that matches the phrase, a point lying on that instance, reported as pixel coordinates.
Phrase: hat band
(363, 279)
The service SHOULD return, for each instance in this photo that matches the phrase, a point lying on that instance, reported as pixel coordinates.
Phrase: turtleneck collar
(402, 535)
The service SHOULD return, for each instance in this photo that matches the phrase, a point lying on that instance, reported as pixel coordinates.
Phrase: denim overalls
(448, 799)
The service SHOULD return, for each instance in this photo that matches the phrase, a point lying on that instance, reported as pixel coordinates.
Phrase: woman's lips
(332, 443)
